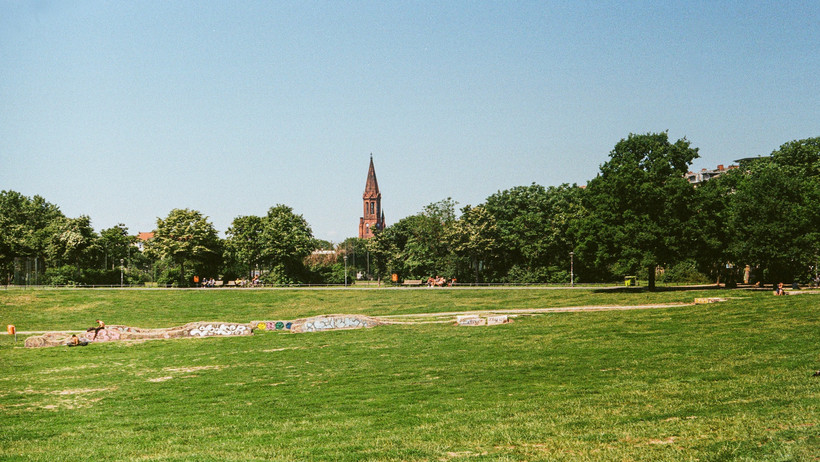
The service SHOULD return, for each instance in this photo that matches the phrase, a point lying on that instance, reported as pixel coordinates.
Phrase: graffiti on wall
(209, 330)
(341, 322)
(108, 334)
(274, 325)
(475, 320)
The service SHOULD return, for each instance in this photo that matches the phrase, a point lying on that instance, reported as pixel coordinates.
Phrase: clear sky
(125, 110)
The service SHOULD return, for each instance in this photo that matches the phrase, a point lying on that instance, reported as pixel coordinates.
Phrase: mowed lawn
(726, 381)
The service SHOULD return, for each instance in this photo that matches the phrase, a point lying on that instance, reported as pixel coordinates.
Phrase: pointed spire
(371, 188)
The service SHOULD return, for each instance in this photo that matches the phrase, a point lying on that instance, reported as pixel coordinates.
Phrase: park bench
(411, 282)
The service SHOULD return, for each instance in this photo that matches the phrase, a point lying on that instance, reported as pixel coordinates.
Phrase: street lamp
(345, 258)
(572, 269)
(121, 262)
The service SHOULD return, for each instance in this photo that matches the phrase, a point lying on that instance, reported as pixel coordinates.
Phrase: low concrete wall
(117, 333)
(475, 320)
(334, 322)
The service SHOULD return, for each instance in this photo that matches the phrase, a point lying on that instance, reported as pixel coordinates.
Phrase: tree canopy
(187, 238)
(640, 206)
(638, 214)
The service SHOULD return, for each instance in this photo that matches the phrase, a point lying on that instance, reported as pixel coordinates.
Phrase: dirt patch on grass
(193, 368)
(65, 369)
(455, 455)
(70, 398)
(80, 391)
(668, 440)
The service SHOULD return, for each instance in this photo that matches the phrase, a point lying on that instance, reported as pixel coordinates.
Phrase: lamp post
(121, 262)
(572, 269)
(345, 270)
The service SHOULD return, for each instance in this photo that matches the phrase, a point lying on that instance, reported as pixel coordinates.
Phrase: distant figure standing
(100, 326)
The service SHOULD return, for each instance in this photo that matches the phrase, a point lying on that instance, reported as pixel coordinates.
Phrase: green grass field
(727, 381)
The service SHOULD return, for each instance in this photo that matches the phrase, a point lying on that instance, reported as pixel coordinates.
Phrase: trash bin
(630, 281)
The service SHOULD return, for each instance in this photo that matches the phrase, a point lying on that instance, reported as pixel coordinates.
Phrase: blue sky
(125, 110)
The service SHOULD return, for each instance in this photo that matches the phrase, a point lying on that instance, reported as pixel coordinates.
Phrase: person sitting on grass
(779, 290)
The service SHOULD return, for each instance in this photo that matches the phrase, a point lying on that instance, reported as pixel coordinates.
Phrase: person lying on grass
(76, 341)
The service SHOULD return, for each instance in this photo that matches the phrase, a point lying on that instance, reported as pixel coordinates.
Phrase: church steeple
(373, 217)
(372, 185)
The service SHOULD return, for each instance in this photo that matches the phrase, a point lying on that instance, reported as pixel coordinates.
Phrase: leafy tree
(358, 255)
(775, 212)
(186, 237)
(640, 206)
(417, 246)
(74, 242)
(710, 253)
(244, 242)
(286, 240)
(116, 245)
(538, 229)
(804, 155)
(25, 228)
(475, 237)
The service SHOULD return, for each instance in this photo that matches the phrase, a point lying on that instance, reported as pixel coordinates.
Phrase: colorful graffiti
(274, 325)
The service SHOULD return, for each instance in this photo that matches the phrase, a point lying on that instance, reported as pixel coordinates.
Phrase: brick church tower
(373, 218)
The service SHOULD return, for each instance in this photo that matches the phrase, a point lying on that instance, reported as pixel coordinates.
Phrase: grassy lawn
(727, 381)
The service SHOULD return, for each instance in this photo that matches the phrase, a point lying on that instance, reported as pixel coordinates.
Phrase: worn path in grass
(412, 318)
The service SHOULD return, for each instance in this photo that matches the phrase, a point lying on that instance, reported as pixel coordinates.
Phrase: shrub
(685, 271)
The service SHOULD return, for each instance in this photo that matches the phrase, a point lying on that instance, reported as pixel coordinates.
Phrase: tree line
(638, 216)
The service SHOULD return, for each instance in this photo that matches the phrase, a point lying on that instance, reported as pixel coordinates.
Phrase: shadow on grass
(643, 289)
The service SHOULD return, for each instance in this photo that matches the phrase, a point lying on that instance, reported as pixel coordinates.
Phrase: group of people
(439, 281)
(210, 282)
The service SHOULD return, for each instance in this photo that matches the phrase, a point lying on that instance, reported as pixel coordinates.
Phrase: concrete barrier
(117, 333)
(334, 322)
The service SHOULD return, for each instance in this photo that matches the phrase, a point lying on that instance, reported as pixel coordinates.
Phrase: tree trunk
(651, 277)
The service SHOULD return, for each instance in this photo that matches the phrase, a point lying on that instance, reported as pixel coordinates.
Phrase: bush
(539, 275)
(170, 276)
(685, 272)
(62, 276)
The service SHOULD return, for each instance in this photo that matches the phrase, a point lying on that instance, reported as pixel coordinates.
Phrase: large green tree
(74, 242)
(417, 246)
(286, 239)
(244, 241)
(775, 212)
(25, 228)
(640, 206)
(538, 229)
(475, 238)
(189, 240)
(116, 245)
